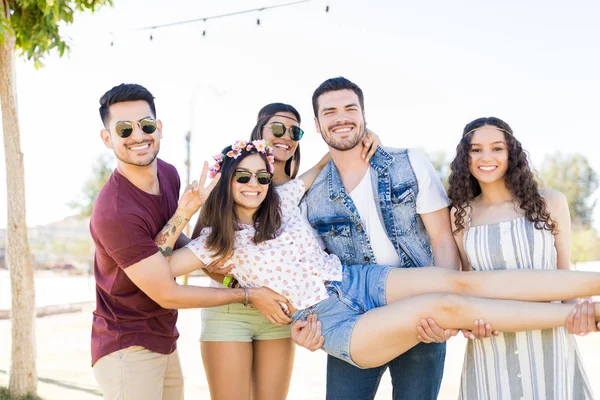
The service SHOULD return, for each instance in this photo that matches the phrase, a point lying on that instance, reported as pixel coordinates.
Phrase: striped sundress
(542, 365)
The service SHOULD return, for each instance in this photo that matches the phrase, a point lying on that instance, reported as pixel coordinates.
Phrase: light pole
(188, 139)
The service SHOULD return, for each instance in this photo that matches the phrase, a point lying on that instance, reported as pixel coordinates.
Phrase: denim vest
(333, 214)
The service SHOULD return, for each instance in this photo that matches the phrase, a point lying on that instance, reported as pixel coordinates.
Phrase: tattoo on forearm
(166, 234)
(166, 252)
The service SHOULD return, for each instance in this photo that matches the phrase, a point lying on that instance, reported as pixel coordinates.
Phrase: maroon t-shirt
(124, 222)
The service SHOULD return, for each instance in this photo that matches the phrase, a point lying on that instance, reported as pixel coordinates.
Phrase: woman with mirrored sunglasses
(272, 354)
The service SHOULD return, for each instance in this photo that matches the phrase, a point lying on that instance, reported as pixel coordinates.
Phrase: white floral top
(292, 264)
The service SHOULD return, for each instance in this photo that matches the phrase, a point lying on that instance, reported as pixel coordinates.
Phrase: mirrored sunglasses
(125, 128)
(278, 129)
(263, 178)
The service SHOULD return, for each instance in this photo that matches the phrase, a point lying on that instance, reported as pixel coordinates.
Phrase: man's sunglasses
(125, 128)
(264, 178)
(278, 129)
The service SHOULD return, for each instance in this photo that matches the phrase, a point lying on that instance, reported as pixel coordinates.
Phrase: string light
(204, 19)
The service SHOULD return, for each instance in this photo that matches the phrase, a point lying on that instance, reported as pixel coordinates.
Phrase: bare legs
(261, 369)
(384, 333)
(272, 368)
(515, 284)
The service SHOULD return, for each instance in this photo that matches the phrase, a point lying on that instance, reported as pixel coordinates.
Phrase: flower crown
(237, 148)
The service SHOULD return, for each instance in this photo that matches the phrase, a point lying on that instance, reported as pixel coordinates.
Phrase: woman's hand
(218, 266)
(583, 318)
(195, 194)
(370, 144)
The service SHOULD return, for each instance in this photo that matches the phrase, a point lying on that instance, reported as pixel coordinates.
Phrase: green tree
(574, 176)
(28, 28)
(440, 163)
(101, 171)
(585, 245)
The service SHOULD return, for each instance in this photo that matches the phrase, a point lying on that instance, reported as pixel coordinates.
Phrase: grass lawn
(5, 395)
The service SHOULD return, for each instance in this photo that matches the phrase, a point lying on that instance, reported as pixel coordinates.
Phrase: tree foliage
(35, 24)
(585, 245)
(29, 28)
(100, 173)
(573, 175)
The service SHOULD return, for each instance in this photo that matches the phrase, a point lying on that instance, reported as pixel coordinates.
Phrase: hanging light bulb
(327, 8)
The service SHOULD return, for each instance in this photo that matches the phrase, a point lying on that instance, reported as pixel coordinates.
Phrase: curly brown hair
(463, 187)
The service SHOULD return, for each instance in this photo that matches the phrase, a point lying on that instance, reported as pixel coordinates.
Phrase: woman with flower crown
(243, 336)
(260, 348)
(368, 313)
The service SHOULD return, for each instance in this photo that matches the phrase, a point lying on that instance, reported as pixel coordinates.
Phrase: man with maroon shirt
(134, 352)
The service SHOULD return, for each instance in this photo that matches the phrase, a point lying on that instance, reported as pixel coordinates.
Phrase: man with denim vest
(391, 212)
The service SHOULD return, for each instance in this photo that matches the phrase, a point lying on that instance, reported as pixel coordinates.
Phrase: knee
(460, 282)
(448, 306)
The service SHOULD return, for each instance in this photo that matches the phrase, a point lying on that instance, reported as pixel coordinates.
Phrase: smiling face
(139, 149)
(340, 119)
(283, 147)
(248, 197)
(488, 154)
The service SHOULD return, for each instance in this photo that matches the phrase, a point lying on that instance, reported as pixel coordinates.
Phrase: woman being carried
(246, 355)
(368, 314)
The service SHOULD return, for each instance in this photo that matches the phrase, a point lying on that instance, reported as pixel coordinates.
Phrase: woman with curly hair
(502, 220)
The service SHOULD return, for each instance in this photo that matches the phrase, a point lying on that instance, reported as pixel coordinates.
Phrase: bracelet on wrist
(246, 293)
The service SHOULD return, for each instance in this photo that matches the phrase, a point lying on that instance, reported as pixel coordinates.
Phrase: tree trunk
(23, 377)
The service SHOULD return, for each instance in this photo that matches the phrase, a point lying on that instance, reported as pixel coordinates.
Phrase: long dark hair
(264, 116)
(218, 212)
(463, 187)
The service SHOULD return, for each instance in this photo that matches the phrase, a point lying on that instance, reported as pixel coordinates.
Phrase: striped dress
(542, 365)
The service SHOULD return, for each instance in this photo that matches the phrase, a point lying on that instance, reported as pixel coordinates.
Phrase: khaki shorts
(236, 323)
(136, 373)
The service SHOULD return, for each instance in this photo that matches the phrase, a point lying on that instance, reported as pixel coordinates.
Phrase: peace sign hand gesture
(195, 194)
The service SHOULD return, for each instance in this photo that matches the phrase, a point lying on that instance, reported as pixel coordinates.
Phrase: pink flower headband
(237, 148)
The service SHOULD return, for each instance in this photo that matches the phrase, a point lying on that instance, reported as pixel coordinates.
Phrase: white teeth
(141, 147)
(250, 193)
(486, 168)
(282, 146)
(342, 130)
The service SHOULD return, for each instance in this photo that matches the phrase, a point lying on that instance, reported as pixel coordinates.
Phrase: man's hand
(195, 194)
(269, 303)
(308, 333)
(370, 144)
(583, 318)
(430, 332)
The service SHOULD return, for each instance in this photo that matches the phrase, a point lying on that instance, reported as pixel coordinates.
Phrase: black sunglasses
(125, 128)
(264, 178)
(278, 129)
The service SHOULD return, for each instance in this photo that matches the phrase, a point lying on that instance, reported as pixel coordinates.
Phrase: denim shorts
(236, 323)
(362, 288)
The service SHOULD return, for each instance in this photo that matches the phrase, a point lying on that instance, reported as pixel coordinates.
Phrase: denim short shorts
(362, 288)
(236, 323)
